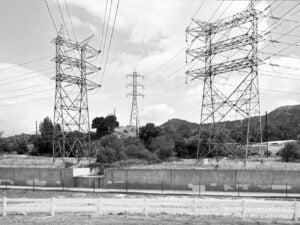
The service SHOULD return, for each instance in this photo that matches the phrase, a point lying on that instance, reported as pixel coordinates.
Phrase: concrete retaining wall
(50, 177)
(88, 182)
(206, 180)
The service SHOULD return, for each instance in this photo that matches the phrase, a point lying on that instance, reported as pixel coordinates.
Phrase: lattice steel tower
(134, 115)
(71, 134)
(228, 50)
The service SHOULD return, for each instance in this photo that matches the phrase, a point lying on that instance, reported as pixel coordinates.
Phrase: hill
(283, 123)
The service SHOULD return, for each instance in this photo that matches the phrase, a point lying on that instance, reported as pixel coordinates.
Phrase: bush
(163, 146)
(22, 148)
(68, 164)
(107, 155)
(129, 162)
(290, 152)
(164, 153)
(134, 152)
(109, 149)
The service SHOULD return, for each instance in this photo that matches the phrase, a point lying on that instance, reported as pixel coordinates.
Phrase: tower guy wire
(134, 120)
(216, 136)
(71, 130)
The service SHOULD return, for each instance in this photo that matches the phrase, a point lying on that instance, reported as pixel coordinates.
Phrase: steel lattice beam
(243, 100)
(134, 120)
(71, 133)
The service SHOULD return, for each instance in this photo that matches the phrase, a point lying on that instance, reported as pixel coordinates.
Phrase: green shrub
(107, 155)
(291, 152)
(68, 164)
(128, 163)
(134, 152)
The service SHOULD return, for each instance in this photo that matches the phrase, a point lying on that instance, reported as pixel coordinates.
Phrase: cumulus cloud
(78, 23)
(21, 118)
(158, 113)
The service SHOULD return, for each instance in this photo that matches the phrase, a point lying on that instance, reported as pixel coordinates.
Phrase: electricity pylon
(239, 101)
(71, 132)
(134, 115)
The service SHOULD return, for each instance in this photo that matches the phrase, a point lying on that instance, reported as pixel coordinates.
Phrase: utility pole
(36, 137)
(36, 129)
(71, 131)
(267, 137)
(134, 115)
(239, 101)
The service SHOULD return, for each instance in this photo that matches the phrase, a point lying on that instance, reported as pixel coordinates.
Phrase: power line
(51, 17)
(167, 91)
(111, 37)
(106, 32)
(103, 27)
(24, 37)
(26, 74)
(69, 15)
(25, 102)
(25, 88)
(282, 18)
(26, 94)
(26, 62)
(196, 13)
(15, 81)
(219, 6)
(63, 19)
(170, 60)
(168, 76)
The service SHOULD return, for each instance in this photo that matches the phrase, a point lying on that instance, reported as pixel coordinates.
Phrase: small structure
(275, 146)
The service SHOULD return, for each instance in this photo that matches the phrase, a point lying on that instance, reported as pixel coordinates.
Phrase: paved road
(160, 192)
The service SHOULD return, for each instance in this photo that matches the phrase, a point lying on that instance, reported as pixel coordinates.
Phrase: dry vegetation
(267, 164)
(120, 219)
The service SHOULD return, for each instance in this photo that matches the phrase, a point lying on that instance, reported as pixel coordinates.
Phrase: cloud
(79, 23)
(23, 85)
(158, 113)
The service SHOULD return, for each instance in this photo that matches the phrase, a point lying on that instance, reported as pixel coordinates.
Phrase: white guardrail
(250, 209)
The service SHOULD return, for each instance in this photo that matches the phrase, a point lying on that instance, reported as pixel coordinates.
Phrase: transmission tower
(134, 115)
(228, 55)
(71, 133)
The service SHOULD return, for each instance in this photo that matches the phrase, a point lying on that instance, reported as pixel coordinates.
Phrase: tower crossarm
(225, 67)
(222, 46)
(135, 94)
(201, 28)
(134, 84)
(76, 80)
(235, 21)
(136, 75)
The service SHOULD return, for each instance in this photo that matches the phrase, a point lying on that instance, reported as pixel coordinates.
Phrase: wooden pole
(52, 206)
(243, 209)
(4, 204)
(100, 212)
(296, 214)
(146, 207)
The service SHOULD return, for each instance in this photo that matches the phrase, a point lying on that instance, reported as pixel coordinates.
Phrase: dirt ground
(11, 193)
(92, 219)
(120, 219)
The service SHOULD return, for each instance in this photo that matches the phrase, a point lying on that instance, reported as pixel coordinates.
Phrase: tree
(180, 149)
(3, 144)
(104, 126)
(22, 147)
(44, 143)
(185, 131)
(109, 149)
(106, 155)
(149, 132)
(290, 152)
(163, 146)
(135, 149)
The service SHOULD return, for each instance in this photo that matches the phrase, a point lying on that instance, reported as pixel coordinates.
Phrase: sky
(149, 36)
